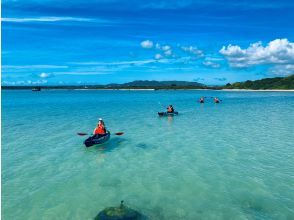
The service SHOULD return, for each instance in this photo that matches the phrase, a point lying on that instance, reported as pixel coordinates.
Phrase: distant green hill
(139, 84)
(153, 83)
(267, 83)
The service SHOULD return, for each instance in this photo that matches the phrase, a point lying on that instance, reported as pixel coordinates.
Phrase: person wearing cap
(170, 109)
(216, 100)
(100, 128)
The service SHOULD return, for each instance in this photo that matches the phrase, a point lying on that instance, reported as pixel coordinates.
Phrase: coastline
(163, 89)
(258, 90)
(120, 89)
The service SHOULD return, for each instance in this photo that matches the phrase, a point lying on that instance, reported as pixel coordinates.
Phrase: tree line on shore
(282, 83)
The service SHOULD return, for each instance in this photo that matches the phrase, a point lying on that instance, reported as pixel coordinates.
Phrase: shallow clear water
(232, 160)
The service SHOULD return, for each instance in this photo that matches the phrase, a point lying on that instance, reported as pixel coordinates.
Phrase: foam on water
(232, 160)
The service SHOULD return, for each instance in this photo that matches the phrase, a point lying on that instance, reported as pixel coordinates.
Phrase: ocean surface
(233, 160)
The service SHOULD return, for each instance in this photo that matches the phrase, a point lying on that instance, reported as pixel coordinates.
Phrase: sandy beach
(259, 90)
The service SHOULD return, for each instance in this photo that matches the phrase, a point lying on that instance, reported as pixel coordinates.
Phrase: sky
(53, 42)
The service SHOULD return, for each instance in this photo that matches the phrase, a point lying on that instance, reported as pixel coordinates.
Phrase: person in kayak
(100, 128)
(201, 100)
(216, 100)
(170, 109)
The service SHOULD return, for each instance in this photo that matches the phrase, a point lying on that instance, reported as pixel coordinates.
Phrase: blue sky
(115, 41)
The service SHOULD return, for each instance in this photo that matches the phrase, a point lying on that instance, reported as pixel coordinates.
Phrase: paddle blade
(119, 133)
(82, 134)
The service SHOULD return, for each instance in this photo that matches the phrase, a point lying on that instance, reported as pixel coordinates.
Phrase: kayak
(97, 139)
(167, 113)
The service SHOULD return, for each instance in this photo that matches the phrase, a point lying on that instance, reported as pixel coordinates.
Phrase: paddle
(83, 134)
(119, 133)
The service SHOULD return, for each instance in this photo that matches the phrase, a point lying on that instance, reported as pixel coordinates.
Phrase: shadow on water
(112, 144)
(17, 125)
(142, 145)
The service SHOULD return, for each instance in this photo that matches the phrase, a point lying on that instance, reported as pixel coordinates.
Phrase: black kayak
(97, 139)
(167, 113)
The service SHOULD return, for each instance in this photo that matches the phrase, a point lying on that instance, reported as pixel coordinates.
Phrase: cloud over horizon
(45, 19)
(279, 51)
(193, 50)
(211, 64)
(46, 75)
(147, 44)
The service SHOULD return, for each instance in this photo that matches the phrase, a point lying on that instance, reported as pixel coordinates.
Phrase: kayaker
(100, 129)
(201, 100)
(216, 100)
(170, 109)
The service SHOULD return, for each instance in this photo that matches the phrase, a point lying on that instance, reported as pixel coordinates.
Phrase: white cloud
(147, 44)
(158, 56)
(163, 48)
(211, 64)
(279, 51)
(193, 50)
(23, 82)
(46, 19)
(115, 63)
(45, 75)
(283, 70)
(214, 58)
(168, 53)
(85, 73)
(157, 46)
(33, 67)
(8, 83)
(166, 47)
(43, 81)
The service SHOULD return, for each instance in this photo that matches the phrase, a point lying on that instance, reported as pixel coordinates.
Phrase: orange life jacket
(99, 130)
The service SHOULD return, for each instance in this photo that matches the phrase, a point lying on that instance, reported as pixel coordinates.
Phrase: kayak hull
(167, 113)
(95, 140)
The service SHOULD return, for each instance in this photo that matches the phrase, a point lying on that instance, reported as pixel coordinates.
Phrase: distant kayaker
(100, 129)
(216, 100)
(201, 100)
(170, 109)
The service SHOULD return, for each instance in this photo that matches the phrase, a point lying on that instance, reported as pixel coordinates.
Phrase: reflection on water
(170, 119)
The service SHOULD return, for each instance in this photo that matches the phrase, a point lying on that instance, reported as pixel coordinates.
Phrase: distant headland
(277, 83)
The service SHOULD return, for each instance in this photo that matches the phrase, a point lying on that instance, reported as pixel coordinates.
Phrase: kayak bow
(97, 139)
(167, 113)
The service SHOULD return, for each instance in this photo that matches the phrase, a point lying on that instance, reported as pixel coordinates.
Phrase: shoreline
(258, 90)
(121, 89)
(150, 89)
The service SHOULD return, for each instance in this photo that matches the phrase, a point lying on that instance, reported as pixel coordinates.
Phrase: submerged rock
(118, 213)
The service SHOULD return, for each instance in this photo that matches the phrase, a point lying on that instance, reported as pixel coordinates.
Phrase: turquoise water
(232, 160)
